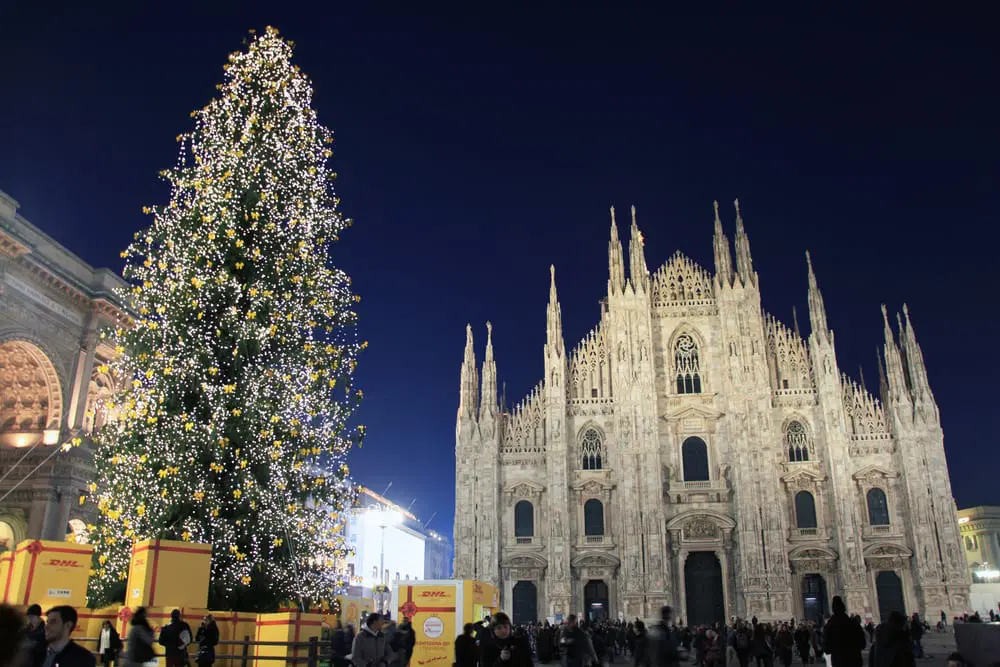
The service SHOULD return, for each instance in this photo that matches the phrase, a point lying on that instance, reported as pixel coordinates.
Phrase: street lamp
(384, 518)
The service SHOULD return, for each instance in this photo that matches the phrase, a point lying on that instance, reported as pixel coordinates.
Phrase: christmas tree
(232, 421)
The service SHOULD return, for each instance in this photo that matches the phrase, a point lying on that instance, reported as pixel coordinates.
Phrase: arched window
(593, 450)
(878, 507)
(593, 517)
(694, 452)
(687, 365)
(6, 536)
(798, 441)
(524, 519)
(805, 510)
(969, 544)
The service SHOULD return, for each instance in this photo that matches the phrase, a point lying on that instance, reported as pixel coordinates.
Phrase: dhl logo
(432, 594)
(55, 562)
(437, 658)
(137, 562)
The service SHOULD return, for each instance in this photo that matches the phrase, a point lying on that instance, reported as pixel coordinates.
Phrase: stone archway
(31, 400)
(702, 531)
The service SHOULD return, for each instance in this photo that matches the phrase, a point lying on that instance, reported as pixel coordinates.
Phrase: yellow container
(438, 609)
(49, 573)
(287, 626)
(480, 600)
(234, 626)
(169, 573)
(6, 570)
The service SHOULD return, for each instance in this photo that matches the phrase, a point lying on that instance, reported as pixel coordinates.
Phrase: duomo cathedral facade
(692, 450)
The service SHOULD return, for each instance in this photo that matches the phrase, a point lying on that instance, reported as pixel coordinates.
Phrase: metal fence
(241, 653)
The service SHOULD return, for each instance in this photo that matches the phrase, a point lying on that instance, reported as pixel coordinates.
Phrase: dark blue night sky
(477, 146)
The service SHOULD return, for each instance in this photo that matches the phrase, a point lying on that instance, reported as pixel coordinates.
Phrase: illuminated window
(6, 536)
(687, 365)
(797, 441)
(592, 446)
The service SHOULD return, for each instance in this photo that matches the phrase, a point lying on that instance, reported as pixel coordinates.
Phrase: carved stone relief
(700, 529)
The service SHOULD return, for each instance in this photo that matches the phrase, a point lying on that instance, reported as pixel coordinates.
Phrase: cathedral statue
(732, 389)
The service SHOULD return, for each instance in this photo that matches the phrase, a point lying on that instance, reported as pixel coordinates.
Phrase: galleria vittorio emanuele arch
(52, 307)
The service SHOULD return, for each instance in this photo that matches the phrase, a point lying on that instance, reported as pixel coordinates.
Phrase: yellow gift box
(49, 573)
(169, 573)
(287, 626)
(234, 626)
(438, 609)
(6, 570)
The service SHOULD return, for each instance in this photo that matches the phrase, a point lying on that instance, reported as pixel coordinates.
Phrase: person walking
(370, 647)
(843, 637)
(139, 645)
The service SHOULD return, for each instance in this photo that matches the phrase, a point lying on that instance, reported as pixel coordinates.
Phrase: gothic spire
(795, 322)
(723, 259)
(468, 400)
(488, 404)
(616, 262)
(553, 319)
(883, 383)
(914, 359)
(744, 263)
(895, 380)
(638, 271)
(817, 309)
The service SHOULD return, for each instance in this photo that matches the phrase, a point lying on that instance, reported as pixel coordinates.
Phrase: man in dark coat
(175, 638)
(466, 651)
(61, 650)
(843, 637)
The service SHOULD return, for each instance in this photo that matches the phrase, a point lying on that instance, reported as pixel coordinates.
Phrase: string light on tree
(237, 374)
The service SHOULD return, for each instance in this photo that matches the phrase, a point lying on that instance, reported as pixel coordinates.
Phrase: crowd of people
(842, 638)
(37, 640)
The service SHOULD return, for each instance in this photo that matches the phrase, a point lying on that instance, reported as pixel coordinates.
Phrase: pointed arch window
(805, 510)
(592, 446)
(687, 365)
(593, 517)
(524, 519)
(797, 441)
(878, 507)
(694, 453)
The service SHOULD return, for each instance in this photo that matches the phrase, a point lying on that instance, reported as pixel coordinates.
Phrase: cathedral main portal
(703, 585)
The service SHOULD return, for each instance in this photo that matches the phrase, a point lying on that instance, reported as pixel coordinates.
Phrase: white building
(389, 544)
(980, 528)
(693, 450)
